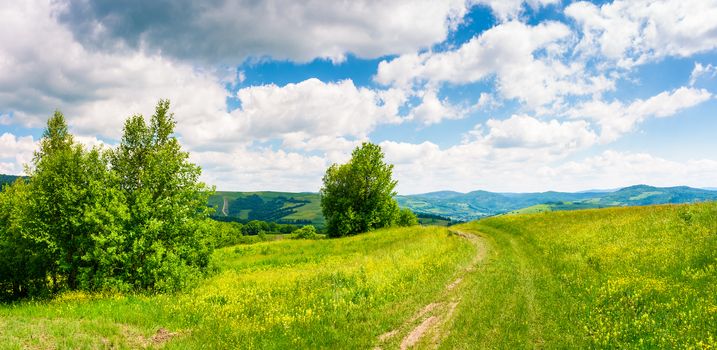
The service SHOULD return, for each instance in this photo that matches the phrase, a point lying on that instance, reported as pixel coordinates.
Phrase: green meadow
(642, 277)
(639, 277)
(281, 294)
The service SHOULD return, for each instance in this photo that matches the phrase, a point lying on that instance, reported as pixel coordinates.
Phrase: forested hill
(305, 207)
(6, 179)
(478, 204)
(280, 207)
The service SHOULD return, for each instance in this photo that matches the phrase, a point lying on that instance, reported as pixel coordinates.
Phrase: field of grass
(331, 293)
(643, 277)
(638, 277)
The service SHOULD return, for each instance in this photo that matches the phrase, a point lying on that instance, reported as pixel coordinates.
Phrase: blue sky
(462, 95)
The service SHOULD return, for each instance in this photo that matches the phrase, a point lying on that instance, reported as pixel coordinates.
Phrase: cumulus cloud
(244, 169)
(433, 110)
(43, 68)
(527, 62)
(15, 151)
(97, 90)
(529, 132)
(312, 108)
(613, 169)
(233, 30)
(476, 165)
(634, 32)
(616, 118)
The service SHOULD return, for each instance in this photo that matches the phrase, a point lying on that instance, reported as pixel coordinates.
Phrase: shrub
(306, 232)
(406, 218)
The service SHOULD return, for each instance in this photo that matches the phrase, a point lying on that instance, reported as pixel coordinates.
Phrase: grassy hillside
(643, 277)
(639, 277)
(269, 206)
(340, 293)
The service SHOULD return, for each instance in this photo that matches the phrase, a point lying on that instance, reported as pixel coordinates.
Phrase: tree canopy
(358, 196)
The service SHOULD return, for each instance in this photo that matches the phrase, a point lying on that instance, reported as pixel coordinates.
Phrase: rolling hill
(281, 207)
(305, 208)
(478, 204)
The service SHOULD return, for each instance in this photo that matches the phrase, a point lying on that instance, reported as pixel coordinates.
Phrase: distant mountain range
(304, 208)
(478, 204)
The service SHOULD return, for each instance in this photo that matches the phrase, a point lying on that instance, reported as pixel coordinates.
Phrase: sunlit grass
(642, 277)
(283, 294)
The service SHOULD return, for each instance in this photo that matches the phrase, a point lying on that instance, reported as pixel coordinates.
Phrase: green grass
(330, 293)
(642, 277)
(638, 277)
(538, 208)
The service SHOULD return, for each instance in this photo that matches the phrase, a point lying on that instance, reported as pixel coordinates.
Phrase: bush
(406, 218)
(306, 232)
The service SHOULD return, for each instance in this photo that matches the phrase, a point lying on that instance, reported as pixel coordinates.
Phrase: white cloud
(243, 169)
(230, 31)
(487, 100)
(527, 62)
(613, 169)
(506, 10)
(700, 70)
(15, 151)
(433, 110)
(312, 108)
(528, 132)
(43, 68)
(425, 167)
(631, 32)
(616, 119)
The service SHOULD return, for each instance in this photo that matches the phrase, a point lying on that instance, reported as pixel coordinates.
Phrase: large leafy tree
(166, 233)
(358, 196)
(68, 193)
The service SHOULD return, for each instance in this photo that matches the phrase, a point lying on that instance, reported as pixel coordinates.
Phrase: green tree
(358, 196)
(252, 228)
(167, 234)
(406, 218)
(24, 262)
(68, 192)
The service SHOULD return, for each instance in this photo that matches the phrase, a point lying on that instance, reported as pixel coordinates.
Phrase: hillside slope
(290, 294)
(282, 207)
(643, 277)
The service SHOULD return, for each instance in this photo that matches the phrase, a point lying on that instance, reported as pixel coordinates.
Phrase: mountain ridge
(305, 207)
